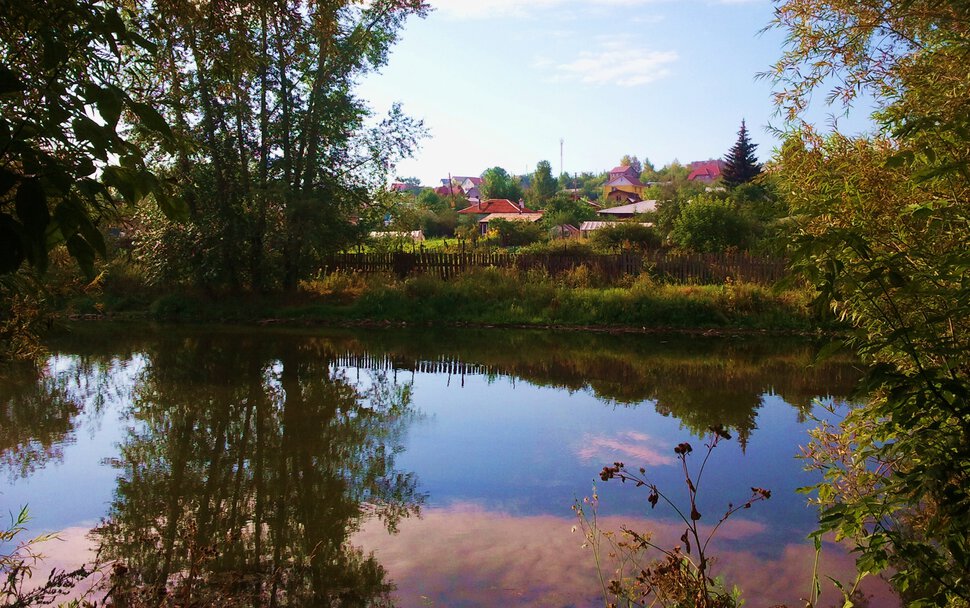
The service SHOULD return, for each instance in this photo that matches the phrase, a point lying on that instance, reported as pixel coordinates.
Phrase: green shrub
(568, 247)
(516, 233)
(710, 225)
(625, 235)
(176, 307)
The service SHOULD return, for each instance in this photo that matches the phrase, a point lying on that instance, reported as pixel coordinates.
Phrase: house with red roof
(705, 171)
(495, 205)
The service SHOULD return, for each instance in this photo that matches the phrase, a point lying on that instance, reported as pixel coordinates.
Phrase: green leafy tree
(633, 162)
(63, 172)
(880, 226)
(440, 223)
(497, 183)
(672, 192)
(708, 224)
(276, 156)
(591, 184)
(648, 172)
(741, 165)
(429, 199)
(563, 209)
(543, 186)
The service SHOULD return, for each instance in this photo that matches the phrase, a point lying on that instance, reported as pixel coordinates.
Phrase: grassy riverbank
(485, 297)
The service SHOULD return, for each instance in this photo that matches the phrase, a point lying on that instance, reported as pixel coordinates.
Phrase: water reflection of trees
(702, 381)
(36, 419)
(41, 408)
(248, 465)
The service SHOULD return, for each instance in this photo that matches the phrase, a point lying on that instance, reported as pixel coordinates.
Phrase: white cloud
(619, 63)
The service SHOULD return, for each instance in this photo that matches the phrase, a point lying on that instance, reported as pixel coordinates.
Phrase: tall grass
(509, 297)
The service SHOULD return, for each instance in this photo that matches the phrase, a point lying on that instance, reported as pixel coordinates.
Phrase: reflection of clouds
(71, 549)
(636, 448)
(465, 555)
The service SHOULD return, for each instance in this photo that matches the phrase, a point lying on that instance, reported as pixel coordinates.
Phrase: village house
(705, 171)
(495, 205)
(624, 186)
(459, 185)
(500, 208)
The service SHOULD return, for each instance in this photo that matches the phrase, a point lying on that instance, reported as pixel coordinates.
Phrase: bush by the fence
(662, 265)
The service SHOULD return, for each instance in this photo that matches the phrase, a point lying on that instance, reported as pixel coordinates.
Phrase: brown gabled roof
(495, 205)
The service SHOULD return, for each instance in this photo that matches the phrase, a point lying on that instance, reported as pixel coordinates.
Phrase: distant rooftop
(631, 209)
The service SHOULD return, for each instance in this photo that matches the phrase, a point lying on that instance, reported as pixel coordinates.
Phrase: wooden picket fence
(663, 265)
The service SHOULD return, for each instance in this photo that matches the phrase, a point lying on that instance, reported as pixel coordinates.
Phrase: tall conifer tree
(740, 164)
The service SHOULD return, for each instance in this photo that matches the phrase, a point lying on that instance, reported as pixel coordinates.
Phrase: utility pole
(561, 142)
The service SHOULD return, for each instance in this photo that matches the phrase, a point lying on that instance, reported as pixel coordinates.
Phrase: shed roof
(593, 225)
(631, 209)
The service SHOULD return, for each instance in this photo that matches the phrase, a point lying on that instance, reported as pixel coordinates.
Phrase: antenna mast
(561, 141)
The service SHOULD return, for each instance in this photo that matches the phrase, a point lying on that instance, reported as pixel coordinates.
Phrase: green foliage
(880, 227)
(888, 254)
(741, 165)
(672, 192)
(22, 317)
(564, 209)
(590, 184)
(516, 233)
(61, 171)
(497, 183)
(567, 247)
(277, 156)
(430, 200)
(709, 224)
(580, 297)
(176, 307)
(543, 186)
(441, 224)
(632, 162)
(625, 235)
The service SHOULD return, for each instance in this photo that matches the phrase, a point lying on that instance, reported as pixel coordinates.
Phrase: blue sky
(499, 82)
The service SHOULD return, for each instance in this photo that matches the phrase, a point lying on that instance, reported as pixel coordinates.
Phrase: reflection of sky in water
(77, 489)
(464, 555)
(503, 462)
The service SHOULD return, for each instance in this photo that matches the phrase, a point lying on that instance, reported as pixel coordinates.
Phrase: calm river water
(406, 467)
